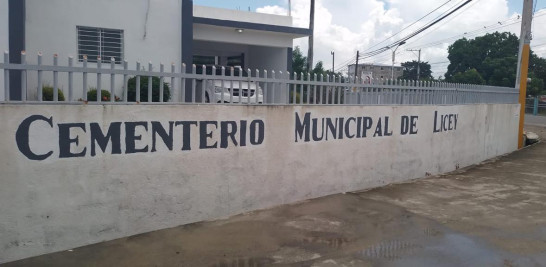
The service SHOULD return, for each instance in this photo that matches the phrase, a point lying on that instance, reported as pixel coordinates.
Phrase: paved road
(493, 214)
(535, 120)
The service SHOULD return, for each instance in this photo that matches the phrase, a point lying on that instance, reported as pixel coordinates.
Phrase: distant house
(376, 71)
(167, 31)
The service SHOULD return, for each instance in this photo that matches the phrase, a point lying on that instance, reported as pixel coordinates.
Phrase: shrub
(47, 93)
(92, 95)
(131, 90)
(291, 100)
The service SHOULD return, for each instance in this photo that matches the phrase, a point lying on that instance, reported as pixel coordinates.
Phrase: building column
(16, 37)
(187, 42)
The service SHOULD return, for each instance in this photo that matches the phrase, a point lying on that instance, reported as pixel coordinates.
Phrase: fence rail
(534, 105)
(85, 82)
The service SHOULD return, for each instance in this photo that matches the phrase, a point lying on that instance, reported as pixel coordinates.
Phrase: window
(205, 60)
(236, 61)
(99, 42)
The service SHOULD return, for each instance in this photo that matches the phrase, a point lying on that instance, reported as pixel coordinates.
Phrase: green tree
(299, 65)
(494, 56)
(299, 61)
(471, 76)
(536, 86)
(410, 70)
(537, 67)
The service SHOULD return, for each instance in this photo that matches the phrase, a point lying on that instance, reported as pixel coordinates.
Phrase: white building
(158, 31)
(368, 71)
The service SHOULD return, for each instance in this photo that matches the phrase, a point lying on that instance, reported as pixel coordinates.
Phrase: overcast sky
(345, 26)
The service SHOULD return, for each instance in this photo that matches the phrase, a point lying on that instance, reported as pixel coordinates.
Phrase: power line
(444, 23)
(350, 60)
(381, 50)
(485, 29)
(386, 39)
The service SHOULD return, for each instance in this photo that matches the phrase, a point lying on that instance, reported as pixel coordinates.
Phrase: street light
(393, 56)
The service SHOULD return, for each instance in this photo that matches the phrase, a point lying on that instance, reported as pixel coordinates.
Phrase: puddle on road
(447, 249)
(245, 262)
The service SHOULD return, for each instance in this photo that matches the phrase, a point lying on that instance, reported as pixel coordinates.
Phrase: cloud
(351, 25)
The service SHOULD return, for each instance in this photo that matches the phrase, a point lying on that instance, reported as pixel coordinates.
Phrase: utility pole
(418, 62)
(356, 66)
(289, 8)
(333, 61)
(312, 28)
(523, 62)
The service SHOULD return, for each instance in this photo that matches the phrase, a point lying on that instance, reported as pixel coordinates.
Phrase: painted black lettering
(22, 137)
(359, 127)
(387, 133)
(436, 129)
(303, 127)
(131, 138)
(413, 124)
(113, 134)
(228, 129)
(340, 127)
(157, 129)
(186, 133)
(378, 129)
(257, 126)
(348, 128)
(65, 141)
(242, 134)
(368, 122)
(316, 138)
(404, 127)
(331, 128)
(204, 134)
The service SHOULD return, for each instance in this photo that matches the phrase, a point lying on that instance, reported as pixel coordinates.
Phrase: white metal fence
(85, 83)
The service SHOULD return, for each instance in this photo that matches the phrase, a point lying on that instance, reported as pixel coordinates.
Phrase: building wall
(268, 58)
(256, 57)
(243, 16)
(151, 32)
(59, 203)
(250, 37)
(4, 39)
(377, 71)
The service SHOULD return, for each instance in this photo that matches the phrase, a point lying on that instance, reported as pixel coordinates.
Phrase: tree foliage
(471, 76)
(494, 57)
(299, 65)
(410, 70)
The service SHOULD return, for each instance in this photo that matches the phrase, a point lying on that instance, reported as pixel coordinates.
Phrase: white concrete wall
(4, 39)
(62, 203)
(239, 15)
(51, 28)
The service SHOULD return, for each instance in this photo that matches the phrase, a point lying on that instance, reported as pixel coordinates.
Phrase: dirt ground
(492, 214)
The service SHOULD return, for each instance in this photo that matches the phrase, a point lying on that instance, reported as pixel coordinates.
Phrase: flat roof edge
(252, 26)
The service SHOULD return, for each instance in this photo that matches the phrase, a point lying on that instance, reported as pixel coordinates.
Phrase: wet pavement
(535, 120)
(492, 214)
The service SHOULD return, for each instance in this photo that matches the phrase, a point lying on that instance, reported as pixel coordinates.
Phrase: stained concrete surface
(492, 214)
